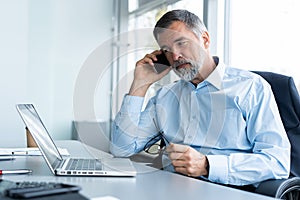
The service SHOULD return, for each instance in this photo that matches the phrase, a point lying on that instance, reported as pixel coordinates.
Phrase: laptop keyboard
(84, 164)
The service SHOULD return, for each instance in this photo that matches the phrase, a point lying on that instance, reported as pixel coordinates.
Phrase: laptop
(69, 166)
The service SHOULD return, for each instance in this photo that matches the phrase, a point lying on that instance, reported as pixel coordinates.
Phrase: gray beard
(188, 74)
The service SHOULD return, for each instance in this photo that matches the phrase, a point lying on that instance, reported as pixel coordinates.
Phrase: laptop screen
(39, 133)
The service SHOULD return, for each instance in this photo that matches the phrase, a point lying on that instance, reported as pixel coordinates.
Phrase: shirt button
(190, 137)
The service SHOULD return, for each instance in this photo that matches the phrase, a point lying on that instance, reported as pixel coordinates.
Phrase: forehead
(175, 31)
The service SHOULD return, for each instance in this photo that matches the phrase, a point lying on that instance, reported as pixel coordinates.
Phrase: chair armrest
(288, 188)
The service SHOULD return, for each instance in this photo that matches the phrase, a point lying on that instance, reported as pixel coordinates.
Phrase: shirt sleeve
(269, 157)
(132, 127)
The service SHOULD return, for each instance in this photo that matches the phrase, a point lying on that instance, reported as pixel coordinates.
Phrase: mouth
(181, 66)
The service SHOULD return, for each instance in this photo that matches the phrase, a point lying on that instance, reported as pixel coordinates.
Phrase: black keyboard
(37, 189)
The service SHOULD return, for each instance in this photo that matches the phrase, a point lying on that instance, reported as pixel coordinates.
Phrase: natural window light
(265, 36)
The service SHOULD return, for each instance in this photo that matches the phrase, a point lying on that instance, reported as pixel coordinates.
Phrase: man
(222, 123)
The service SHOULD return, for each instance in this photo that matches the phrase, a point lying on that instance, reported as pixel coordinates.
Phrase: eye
(182, 43)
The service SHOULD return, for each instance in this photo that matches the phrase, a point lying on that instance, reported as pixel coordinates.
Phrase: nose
(176, 54)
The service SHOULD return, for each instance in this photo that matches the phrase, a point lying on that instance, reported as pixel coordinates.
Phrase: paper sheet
(32, 151)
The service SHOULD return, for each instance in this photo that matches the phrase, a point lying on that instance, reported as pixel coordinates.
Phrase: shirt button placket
(193, 124)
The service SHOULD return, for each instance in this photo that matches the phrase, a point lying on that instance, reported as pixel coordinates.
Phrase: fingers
(184, 167)
(177, 148)
(145, 70)
(187, 160)
(184, 170)
(178, 154)
(149, 58)
(145, 74)
(153, 55)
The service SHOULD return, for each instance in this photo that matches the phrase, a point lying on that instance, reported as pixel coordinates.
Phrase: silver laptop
(70, 166)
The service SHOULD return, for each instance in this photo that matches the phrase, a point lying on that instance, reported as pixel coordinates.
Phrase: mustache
(180, 62)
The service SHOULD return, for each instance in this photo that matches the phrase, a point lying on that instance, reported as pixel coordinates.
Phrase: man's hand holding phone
(161, 63)
(148, 71)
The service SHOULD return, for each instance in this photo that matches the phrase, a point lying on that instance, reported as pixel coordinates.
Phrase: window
(143, 15)
(248, 34)
(265, 36)
(139, 19)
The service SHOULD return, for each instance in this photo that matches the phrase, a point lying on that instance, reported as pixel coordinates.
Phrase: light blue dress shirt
(231, 117)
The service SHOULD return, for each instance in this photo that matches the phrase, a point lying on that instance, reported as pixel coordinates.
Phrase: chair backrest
(288, 102)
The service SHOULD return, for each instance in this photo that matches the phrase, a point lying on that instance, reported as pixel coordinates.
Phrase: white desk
(150, 183)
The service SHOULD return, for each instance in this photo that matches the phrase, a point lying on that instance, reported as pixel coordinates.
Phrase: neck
(205, 71)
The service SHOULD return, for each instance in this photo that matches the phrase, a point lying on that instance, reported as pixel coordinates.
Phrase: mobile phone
(162, 63)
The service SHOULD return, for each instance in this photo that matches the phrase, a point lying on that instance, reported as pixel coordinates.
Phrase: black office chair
(288, 102)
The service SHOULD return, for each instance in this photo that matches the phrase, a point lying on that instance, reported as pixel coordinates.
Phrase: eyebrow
(177, 40)
(180, 39)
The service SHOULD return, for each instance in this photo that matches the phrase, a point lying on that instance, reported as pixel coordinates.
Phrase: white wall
(43, 45)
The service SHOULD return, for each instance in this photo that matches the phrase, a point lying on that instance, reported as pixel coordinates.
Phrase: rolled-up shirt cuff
(218, 168)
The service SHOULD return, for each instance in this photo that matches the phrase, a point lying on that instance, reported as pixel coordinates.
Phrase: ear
(206, 39)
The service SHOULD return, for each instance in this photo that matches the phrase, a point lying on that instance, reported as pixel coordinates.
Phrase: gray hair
(191, 20)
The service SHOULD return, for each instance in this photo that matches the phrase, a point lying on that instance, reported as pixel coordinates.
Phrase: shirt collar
(216, 77)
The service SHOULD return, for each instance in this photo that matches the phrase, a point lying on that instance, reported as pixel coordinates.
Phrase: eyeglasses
(152, 147)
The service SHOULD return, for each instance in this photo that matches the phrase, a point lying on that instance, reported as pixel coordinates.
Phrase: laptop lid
(40, 134)
(112, 167)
